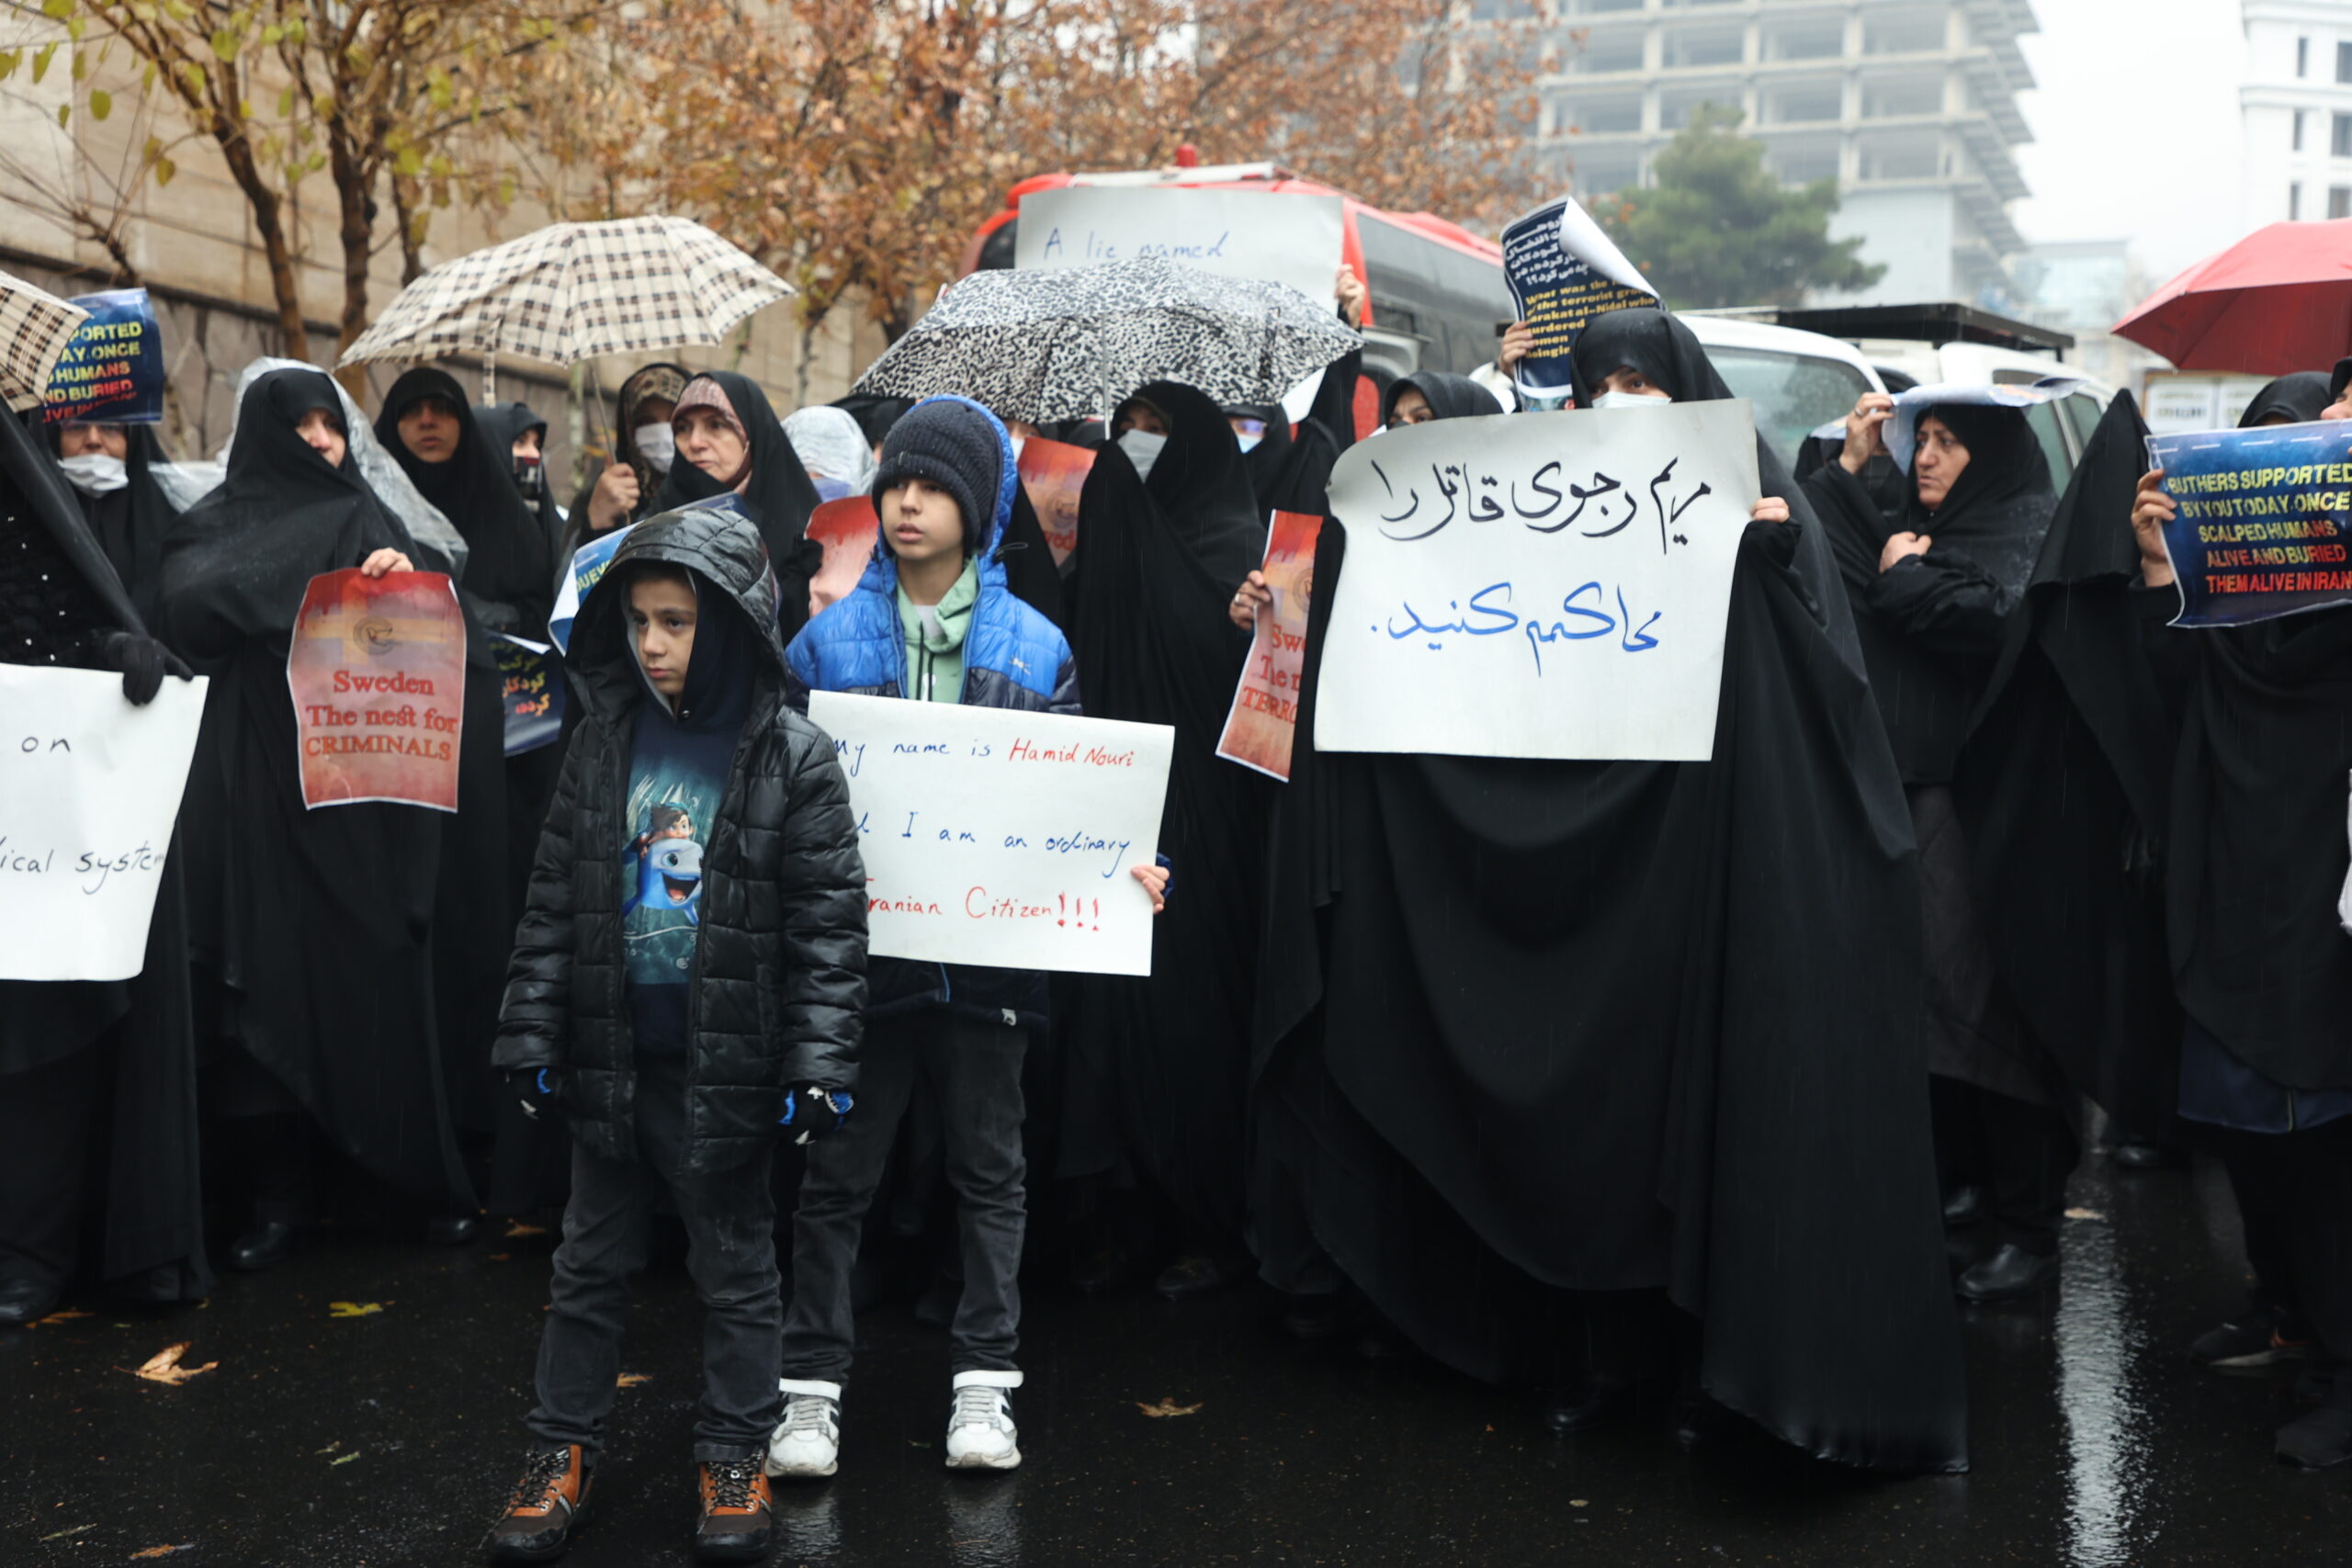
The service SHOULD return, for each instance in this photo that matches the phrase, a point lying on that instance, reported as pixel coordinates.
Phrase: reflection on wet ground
(386, 1439)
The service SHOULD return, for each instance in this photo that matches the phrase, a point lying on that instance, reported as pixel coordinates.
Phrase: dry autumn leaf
(164, 1551)
(164, 1367)
(2085, 1214)
(516, 1230)
(65, 1316)
(1166, 1407)
(353, 1309)
(632, 1380)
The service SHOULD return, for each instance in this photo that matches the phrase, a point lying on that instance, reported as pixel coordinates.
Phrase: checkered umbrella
(1053, 344)
(576, 290)
(35, 326)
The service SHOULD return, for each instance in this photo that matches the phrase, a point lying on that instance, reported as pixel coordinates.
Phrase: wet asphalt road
(388, 1438)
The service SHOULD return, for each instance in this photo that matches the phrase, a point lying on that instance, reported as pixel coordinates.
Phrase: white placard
(999, 838)
(1538, 584)
(1277, 238)
(89, 787)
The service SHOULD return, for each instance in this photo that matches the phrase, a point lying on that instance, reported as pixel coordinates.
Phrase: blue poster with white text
(111, 372)
(2264, 520)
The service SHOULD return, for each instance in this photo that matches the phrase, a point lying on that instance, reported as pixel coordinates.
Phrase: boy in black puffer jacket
(689, 975)
(933, 620)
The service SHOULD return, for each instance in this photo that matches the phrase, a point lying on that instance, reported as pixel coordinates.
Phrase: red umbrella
(2279, 300)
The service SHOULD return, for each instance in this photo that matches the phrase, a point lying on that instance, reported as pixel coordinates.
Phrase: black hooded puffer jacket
(778, 993)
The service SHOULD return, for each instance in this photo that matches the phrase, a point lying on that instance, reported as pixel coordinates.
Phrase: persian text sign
(2264, 522)
(1537, 585)
(377, 674)
(1259, 730)
(531, 685)
(90, 785)
(999, 838)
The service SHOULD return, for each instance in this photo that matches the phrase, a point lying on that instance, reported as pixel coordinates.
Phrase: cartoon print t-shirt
(676, 777)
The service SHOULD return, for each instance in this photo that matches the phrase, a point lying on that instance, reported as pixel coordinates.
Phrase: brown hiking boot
(738, 1517)
(545, 1508)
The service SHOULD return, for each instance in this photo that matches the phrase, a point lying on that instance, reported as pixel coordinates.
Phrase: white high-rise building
(1911, 105)
(2296, 108)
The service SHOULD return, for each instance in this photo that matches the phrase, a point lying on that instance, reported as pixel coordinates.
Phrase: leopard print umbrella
(1064, 344)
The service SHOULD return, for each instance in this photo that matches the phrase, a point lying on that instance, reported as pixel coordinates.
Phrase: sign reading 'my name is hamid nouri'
(2264, 522)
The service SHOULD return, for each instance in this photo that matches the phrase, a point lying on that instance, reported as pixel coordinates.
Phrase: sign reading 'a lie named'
(1544, 585)
(1001, 838)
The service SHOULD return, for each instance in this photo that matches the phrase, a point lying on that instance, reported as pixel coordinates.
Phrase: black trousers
(2020, 1153)
(48, 1120)
(731, 1252)
(2294, 1190)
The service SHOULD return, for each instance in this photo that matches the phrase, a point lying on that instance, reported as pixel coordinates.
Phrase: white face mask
(1630, 400)
(656, 444)
(1143, 448)
(95, 473)
(1248, 442)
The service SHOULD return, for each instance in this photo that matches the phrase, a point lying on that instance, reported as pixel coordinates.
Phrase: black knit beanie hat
(956, 446)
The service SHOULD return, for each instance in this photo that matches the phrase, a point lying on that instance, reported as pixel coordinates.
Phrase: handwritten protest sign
(1054, 472)
(1537, 585)
(531, 685)
(1259, 730)
(2264, 523)
(847, 529)
(1562, 271)
(999, 838)
(377, 674)
(1293, 239)
(90, 785)
(112, 370)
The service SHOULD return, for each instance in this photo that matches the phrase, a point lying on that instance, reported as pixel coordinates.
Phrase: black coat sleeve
(532, 1024)
(821, 878)
(1943, 602)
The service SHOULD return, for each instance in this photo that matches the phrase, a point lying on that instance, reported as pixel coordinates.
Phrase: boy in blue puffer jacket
(933, 621)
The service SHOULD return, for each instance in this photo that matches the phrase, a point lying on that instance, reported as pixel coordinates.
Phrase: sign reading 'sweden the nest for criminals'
(999, 838)
(1544, 585)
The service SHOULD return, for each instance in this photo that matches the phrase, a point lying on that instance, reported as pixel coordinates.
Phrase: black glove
(531, 1089)
(143, 663)
(811, 1111)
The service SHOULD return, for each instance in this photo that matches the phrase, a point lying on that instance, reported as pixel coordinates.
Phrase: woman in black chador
(91, 1066)
(312, 930)
(2256, 861)
(1155, 1068)
(506, 586)
(1933, 590)
(1545, 1046)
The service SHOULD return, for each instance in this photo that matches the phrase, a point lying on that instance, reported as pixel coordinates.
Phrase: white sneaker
(807, 1442)
(980, 1433)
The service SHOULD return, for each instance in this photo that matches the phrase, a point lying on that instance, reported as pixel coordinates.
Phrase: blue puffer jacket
(1013, 657)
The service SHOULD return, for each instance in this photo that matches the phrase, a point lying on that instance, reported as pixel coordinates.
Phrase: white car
(1802, 379)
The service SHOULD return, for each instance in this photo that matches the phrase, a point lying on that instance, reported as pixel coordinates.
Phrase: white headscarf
(832, 446)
